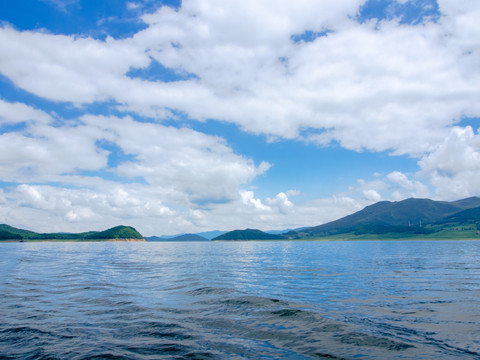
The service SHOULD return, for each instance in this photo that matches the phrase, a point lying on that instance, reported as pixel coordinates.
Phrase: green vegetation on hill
(119, 232)
(411, 218)
(466, 216)
(248, 234)
(5, 235)
(24, 234)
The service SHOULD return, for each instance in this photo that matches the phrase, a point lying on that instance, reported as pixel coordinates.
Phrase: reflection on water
(240, 300)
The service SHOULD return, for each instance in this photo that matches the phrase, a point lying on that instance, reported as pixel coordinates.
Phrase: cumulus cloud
(454, 165)
(394, 186)
(43, 153)
(372, 195)
(67, 68)
(248, 199)
(45, 207)
(16, 113)
(377, 86)
(413, 188)
(131, 5)
(281, 202)
(249, 211)
(199, 167)
(157, 170)
(194, 166)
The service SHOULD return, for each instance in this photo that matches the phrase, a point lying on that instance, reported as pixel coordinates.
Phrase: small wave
(210, 291)
(359, 339)
(287, 312)
(109, 302)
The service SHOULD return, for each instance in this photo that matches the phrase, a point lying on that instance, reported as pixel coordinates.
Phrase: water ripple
(262, 300)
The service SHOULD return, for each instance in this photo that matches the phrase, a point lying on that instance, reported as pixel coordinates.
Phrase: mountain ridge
(117, 233)
(248, 234)
(183, 237)
(409, 218)
(416, 216)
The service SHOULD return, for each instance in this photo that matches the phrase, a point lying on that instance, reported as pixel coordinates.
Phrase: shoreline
(234, 241)
(350, 239)
(70, 240)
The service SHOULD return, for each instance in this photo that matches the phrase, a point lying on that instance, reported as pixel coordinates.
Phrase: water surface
(240, 300)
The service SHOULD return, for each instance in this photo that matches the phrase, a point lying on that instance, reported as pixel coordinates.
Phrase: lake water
(240, 300)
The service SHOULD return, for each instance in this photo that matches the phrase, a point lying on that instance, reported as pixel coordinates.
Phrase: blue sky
(193, 116)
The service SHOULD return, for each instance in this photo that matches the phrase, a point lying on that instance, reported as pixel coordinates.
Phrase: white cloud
(372, 195)
(53, 208)
(413, 188)
(248, 199)
(197, 167)
(374, 86)
(186, 165)
(65, 68)
(44, 153)
(14, 113)
(281, 202)
(248, 211)
(454, 166)
(162, 174)
(393, 186)
(293, 193)
(131, 5)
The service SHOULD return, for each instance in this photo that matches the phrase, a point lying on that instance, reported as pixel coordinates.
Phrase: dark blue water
(240, 300)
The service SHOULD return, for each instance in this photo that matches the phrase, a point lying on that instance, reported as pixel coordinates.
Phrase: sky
(199, 115)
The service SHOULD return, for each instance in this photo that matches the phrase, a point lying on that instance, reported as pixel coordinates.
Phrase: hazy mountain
(209, 235)
(279, 232)
(184, 237)
(156, 238)
(189, 237)
(248, 234)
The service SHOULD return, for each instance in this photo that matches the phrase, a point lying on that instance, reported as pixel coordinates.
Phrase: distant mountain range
(248, 234)
(184, 237)
(407, 219)
(118, 233)
(209, 235)
(410, 218)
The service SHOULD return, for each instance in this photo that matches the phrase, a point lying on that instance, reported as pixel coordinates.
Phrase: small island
(117, 233)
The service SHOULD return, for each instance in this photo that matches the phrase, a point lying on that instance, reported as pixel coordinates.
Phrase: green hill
(465, 216)
(24, 234)
(118, 232)
(407, 218)
(5, 235)
(8, 232)
(248, 234)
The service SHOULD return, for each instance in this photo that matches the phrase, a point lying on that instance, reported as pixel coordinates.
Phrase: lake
(240, 300)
